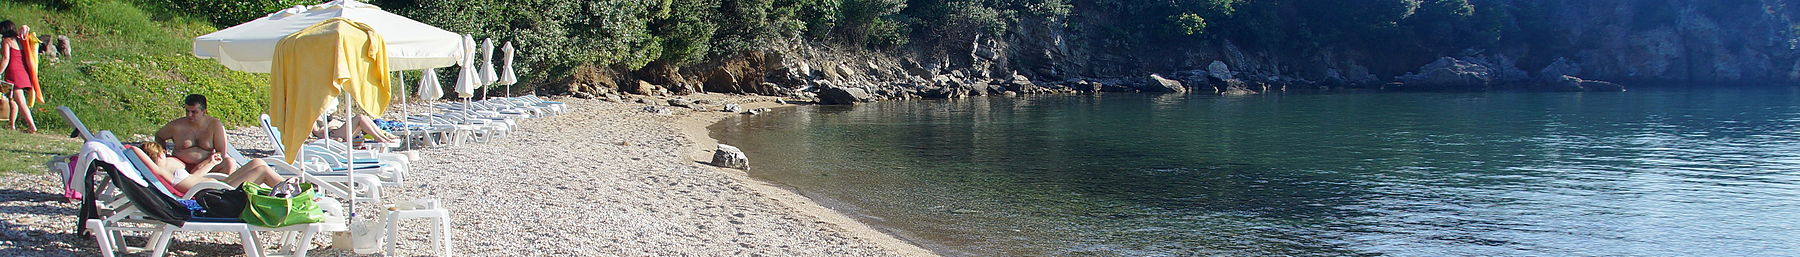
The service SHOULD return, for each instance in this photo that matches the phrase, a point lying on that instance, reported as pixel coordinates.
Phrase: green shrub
(686, 31)
(225, 13)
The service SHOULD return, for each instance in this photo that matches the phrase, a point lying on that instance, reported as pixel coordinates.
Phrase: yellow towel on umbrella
(315, 64)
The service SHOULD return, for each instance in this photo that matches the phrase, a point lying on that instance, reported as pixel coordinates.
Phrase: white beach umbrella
(488, 78)
(429, 89)
(411, 45)
(507, 77)
(468, 79)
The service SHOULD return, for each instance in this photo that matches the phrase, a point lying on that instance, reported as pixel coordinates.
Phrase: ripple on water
(1708, 172)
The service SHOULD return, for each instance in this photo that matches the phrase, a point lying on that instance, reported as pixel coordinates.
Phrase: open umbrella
(250, 46)
(507, 77)
(406, 45)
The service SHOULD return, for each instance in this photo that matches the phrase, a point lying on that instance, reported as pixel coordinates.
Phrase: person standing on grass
(17, 72)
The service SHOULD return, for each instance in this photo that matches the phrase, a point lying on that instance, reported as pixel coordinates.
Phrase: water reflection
(1686, 173)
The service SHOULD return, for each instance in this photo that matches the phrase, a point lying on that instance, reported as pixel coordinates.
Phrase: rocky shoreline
(605, 179)
(827, 77)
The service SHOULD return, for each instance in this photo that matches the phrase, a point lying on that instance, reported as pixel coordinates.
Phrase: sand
(606, 179)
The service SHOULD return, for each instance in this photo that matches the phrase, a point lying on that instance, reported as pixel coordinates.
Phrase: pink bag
(72, 186)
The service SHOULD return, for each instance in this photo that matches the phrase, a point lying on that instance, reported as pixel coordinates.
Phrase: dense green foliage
(557, 36)
(227, 13)
(131, 68)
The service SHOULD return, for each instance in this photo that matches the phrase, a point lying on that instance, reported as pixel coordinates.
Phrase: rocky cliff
(1562, 45)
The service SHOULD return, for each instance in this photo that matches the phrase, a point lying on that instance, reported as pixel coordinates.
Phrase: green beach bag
(273, 212)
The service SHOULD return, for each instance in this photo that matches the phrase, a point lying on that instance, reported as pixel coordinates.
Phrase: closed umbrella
(468, 79)
(488, 78)
(428, 86)
(507, 77)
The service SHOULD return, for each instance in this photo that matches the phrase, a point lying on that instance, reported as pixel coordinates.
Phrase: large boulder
(843, 95)
(1219, 70)
(1233, 87)
(1021, 84)
(1449, 74)
(1158, 84)
(641, 88)
(730, 157)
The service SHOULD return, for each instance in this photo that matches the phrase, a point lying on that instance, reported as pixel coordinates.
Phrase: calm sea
(1701, 172)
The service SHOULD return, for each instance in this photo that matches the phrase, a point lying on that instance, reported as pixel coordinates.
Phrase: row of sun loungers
(127, 197)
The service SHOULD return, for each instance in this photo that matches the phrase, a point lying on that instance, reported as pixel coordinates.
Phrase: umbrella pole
(349, 159)
(400, 76)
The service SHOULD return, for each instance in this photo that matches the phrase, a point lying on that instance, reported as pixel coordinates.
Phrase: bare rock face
(1163, 85)
(789, 76)
(1562, 66)
(728, 156)
(739, 75)
(590, 79)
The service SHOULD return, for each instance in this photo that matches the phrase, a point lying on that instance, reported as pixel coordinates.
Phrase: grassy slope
(131, 68)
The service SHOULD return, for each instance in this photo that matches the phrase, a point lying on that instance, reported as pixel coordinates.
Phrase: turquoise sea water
(1703, 172)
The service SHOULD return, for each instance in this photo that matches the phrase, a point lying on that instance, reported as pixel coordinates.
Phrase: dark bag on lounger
(220, 203)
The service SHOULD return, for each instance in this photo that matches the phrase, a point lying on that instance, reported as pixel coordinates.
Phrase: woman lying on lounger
(169, 167)
(364, 126)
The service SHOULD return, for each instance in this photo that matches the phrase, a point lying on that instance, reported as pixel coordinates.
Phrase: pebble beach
(605, 179)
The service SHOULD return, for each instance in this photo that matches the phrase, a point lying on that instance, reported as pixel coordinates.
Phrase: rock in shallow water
(1160, 84)
(843, 95)
(730, 157)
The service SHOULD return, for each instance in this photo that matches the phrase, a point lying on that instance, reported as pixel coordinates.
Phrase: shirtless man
(196, 137)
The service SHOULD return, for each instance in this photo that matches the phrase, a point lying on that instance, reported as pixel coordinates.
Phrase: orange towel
(31, 66)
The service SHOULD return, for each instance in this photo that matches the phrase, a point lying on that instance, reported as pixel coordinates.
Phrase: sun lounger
(131, 198)
(120, 204)
(331, 164)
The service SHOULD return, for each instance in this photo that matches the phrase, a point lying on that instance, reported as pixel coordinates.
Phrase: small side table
(440, 233)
